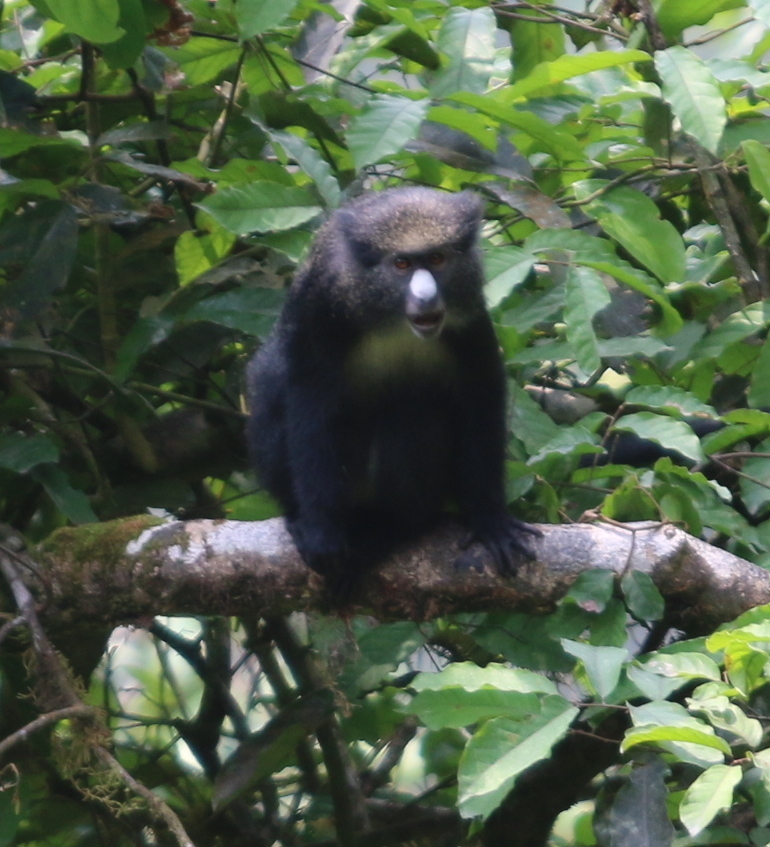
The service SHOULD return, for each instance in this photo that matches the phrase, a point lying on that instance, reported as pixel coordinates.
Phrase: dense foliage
(164, 166)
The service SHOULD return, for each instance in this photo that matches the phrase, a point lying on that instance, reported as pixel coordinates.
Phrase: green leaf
(454, 707)
(670, 434)
(93, 20)
(592, 590)
(642, 597)
(758, 159)
(472, 677)
(312, 163)
(272, 748)
(502, 749)
(567, 67)
(256, 16)
(686, 666)
(532, 41)
(560, 144)
(676, 15)
(505, 269)
(147, 332)
(633, 220)
(198, 252)
(734, 328)
(661, 397)
(251, 310)
(204, 59)
(603, 665)
(671, 727)
(124, 52)
(20, 453)
(759, 386)
(599, 254)
(728, 718)
(586, 294)
(756, 470)
(682, 735)
(761, 10)
(638, 814)
(46, 236)
(710, 794)
(467, 37)
(261, 207)
(384, 128)
(694, 95)
(73, 504)
(380, 650)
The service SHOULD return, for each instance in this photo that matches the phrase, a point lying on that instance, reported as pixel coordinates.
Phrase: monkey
(378, 401)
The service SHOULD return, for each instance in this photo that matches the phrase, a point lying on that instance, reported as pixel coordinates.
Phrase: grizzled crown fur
(410, 220)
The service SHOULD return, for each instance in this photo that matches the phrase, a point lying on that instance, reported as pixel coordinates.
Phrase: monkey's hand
(505, 538)
(322, 545)
(325, 549)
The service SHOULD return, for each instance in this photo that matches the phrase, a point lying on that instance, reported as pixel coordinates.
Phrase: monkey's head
(412, 254)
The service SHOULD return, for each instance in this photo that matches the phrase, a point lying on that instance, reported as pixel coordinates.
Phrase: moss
(102, 542)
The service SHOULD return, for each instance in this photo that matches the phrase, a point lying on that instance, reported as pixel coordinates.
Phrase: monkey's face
(410, 260)
(423, 293)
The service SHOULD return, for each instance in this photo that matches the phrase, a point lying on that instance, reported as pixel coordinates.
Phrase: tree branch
(105, 574)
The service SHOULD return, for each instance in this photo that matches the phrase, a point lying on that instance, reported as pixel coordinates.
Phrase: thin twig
(80, 710)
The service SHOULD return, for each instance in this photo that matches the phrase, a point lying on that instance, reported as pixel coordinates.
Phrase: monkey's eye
(402, 263)
(436, 259)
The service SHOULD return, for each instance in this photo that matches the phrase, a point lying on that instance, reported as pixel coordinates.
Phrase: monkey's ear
(362, 247)
(471, 210)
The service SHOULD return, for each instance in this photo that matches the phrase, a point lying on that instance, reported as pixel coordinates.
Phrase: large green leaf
(94, 20)
(633, 220)
(734, 328)
(753, 481)
(566, 67)
(45, 239)
(599, 254)
(256, 16)
(467, 37)
(21, 453)
(384, 128)
(759, 386)
(198, 252)
(126, 50)
(502, 749)
(586, 295)
(602, 664)
(261, 207)
(710, 794)
(454, 707)
(204, 59)
(638, 813)
(560, 144)
(73, 504)
(676, 15)
(662, 397)
(670, 434)
(505, 269)
(758, 159)
(532, 41)
(312, 163)
(694, 95)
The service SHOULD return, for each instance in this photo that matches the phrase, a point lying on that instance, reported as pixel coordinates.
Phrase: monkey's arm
(315, 450)
(482, 439)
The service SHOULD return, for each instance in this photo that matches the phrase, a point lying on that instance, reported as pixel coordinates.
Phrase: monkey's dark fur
(378, 401)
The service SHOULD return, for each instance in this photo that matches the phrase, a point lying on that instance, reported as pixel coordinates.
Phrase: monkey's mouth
(427, 324)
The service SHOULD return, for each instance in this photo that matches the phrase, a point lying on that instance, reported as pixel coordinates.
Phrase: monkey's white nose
(423, 287)
(424, 305)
